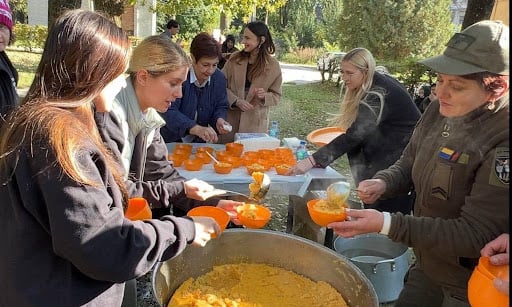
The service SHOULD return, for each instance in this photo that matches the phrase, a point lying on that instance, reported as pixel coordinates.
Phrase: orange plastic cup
(220, 215)
(184, 146)
(235, 149)
(481, 290)
(204, 157)
(193, 164)
(138, 209)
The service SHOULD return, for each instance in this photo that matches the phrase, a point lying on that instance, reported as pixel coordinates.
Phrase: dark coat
(8, 83)
(370, 145)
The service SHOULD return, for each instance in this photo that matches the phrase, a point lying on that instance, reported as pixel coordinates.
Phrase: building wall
(37, 12)
(500, 11)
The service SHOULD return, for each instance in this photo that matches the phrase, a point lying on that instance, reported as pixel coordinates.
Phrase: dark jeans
(420, 291)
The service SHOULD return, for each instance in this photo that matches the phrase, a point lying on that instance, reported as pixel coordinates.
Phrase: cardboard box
(256, 141)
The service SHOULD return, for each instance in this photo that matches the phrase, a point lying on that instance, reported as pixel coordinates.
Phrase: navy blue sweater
(210, 102)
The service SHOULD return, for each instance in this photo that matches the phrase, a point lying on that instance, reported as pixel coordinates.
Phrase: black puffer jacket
(8, 82)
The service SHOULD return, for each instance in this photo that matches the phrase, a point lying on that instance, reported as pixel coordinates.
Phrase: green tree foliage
(396, 29)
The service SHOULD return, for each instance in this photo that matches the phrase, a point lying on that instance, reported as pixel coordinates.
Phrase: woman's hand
(301, 167)
(259, 92)
(498, 252)
(370, 190)
(199, 189)
(223, 126)
(205, 228)
(244, 105)
(358, 222)
(230, 207)
(207, 134)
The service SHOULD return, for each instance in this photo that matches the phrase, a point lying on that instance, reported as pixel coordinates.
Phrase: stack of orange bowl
(235, 149)
(203, 155)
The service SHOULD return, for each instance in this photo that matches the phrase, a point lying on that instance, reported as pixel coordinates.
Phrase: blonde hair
(158, 55)
(363, 60)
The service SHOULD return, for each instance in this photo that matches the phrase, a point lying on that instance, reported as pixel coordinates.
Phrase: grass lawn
(26, 64)
(303, 108)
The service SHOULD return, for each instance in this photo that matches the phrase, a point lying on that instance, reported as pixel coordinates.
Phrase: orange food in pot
(222, 168)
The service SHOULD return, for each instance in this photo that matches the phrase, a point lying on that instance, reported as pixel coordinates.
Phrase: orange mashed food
(254, 285)
(323, 205)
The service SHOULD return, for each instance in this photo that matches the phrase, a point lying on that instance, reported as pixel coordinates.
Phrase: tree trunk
(476, 11)
(57, 7)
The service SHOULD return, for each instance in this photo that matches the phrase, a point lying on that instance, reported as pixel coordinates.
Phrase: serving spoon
(258, 196)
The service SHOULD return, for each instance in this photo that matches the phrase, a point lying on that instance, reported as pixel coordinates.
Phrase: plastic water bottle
(302, 152)
(274, 129)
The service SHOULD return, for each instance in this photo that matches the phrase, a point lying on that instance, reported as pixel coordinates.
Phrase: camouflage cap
(483, 46)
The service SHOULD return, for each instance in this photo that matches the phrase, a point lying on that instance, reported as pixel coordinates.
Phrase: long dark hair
(265, 49)
(83, 53)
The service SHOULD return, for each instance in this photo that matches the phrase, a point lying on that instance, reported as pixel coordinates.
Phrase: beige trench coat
(257, 120)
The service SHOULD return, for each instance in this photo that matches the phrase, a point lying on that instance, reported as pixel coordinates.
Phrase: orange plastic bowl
(222, 155)
(183, 146)
(223, 168)
(204, 157)
(181, 152)
(322, 218)
(481, 291)
(235, 149)
(235, 161)
(177, 160)
(220, 215)
(138, 209)
(205, 148)
(253, 216)
(282, 169)
(193, 164)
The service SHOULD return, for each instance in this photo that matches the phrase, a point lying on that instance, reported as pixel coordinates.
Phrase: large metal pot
(270, 247)
(383, 261)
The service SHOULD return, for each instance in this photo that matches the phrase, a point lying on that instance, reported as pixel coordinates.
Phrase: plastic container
(138, 209)
(481, 290)
(220, 215)
(302, 152)
(274, 130)
(323, 218)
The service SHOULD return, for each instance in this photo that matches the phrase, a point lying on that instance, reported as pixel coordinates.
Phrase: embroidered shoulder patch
(501, 169)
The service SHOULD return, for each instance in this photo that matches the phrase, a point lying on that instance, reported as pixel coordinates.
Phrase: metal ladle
(265, 186)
